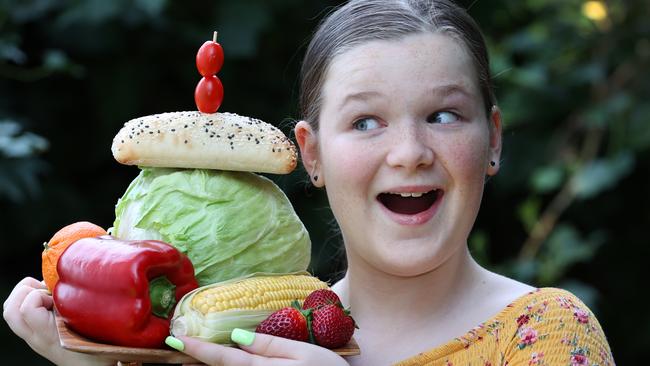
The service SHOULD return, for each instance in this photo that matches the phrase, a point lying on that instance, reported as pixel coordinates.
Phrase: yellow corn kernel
(257, 293)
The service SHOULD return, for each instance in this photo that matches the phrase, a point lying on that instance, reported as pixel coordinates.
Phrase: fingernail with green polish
(175, 343)
(243, 337)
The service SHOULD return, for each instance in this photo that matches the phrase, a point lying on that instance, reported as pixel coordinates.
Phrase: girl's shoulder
(546, 297)
(547, 304)
(552, 323)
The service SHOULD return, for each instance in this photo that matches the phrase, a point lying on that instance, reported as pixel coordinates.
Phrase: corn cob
(211, 312)
(257, 293)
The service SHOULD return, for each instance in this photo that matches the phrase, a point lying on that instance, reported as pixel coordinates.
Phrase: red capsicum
(121, 292)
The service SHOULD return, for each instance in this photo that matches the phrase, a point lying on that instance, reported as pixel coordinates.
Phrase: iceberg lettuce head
(229, 224)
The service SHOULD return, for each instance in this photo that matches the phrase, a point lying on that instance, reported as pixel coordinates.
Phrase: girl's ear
(308, 144)
(495, 141)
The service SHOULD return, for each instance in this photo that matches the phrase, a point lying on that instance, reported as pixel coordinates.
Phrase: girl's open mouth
(409, 203)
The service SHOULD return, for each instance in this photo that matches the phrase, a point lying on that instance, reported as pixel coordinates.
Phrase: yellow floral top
(549, 327)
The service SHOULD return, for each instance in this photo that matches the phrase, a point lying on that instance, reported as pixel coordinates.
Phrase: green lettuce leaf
(229, 224)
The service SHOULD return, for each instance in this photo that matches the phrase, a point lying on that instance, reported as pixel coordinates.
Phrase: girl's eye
(443, 117)
(365, 124)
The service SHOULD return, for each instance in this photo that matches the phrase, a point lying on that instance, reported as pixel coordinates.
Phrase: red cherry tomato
(208, 94)
(209, 59)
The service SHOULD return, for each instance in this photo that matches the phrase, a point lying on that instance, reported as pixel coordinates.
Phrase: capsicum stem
(163, 296)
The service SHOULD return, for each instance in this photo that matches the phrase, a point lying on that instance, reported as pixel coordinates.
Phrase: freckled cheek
(467, 161)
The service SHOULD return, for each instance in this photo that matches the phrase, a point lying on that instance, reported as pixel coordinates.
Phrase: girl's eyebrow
(452, 89)
(359, 96)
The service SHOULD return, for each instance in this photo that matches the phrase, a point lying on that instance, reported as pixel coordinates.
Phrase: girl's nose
(410, 149)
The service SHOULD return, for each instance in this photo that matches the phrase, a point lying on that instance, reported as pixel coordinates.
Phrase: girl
(400, 126)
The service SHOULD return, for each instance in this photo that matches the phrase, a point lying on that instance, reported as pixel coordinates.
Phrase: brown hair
(361, 21)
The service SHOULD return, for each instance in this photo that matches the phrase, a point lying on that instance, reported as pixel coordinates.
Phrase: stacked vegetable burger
(201, 244)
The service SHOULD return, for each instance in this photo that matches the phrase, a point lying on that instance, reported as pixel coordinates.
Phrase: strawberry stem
(312, 340)
(307, 313)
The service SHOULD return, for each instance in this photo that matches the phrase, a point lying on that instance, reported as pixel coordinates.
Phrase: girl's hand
(257, 350)
(28, 311)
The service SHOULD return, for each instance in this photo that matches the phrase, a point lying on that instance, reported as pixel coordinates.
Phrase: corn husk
(216, 326)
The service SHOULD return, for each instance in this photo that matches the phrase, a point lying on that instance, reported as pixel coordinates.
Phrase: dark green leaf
(548, 178)
(601, 174)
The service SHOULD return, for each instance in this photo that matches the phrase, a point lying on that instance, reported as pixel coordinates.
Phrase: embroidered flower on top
(581, 315)
(527, 336)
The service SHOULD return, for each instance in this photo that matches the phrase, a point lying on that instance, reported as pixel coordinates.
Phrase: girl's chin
(405, 273)
(406, 265)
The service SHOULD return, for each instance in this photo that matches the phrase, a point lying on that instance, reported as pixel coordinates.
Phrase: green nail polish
(243, 337)
(175, 343)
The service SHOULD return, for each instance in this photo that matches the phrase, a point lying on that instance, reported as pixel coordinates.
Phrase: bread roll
(224, 141)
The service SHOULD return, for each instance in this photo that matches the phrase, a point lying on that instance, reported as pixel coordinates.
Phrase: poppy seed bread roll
(224, 141)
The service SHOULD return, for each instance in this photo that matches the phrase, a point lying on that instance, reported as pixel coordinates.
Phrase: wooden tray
(75, 342)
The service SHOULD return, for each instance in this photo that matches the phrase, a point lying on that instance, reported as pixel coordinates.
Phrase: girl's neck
(386, 296)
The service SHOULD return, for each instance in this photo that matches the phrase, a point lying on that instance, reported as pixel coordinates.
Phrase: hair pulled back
(360, 21)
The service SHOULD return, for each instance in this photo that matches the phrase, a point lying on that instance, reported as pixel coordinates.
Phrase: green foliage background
(568, 209)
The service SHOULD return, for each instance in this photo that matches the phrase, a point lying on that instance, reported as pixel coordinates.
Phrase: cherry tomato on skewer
(208, 94)
(209, 59)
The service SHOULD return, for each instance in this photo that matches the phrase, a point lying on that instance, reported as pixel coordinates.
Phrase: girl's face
(403, 150)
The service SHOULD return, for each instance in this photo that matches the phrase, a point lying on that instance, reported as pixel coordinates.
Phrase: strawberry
(321, 297)
(287, 322)
(331, 326)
